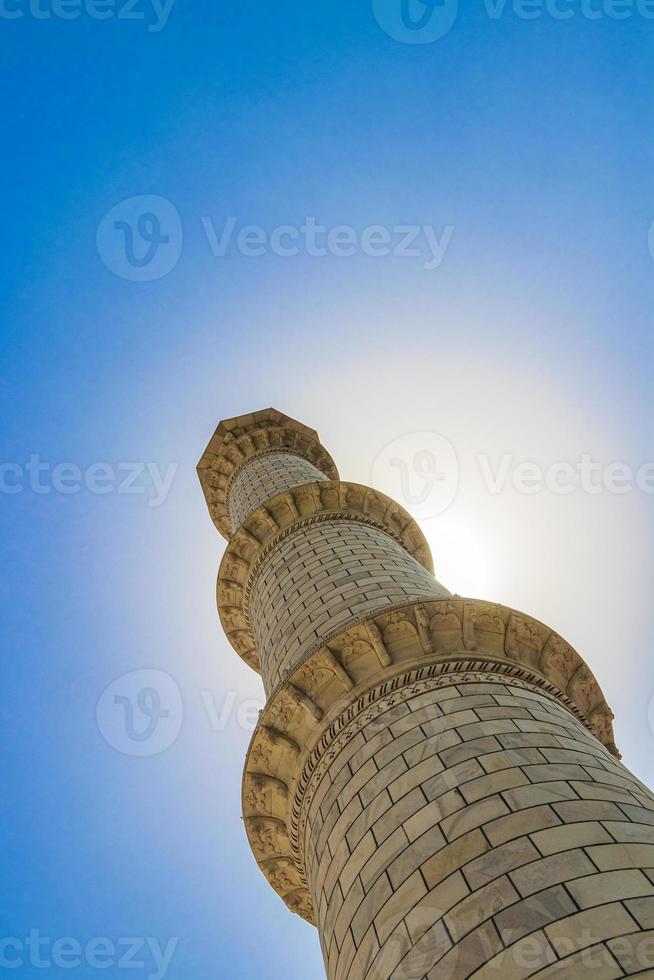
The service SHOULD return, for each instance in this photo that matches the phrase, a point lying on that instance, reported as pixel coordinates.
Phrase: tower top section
(240, 440)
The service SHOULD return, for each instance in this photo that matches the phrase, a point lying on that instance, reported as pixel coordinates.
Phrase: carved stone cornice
(236, 440)
(439, 642)
(287, 513)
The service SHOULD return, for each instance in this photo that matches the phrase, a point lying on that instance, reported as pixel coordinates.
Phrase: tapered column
(433, 781)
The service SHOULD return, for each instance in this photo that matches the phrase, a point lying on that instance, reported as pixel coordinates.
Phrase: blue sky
(524, 147)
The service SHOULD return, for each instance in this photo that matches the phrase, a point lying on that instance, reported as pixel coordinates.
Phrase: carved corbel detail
(292, 506)
(525, 639)
(259, 792)
(324, 661)
(301, 700)
(268, 837)
(601, 722)
(584, 690)
(399, 627)
(559, 660)
(300, 903)
(469, 619)
(446, 626)
(377, 643)
(422, 623)
(266, 742)
(282, 875)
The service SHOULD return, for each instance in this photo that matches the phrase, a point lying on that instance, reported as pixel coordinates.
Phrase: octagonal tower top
(238, 440)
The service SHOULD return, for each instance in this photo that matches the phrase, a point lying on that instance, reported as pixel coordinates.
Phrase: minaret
(433, 781)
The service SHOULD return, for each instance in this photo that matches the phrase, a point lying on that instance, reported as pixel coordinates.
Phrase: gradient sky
(532, 340)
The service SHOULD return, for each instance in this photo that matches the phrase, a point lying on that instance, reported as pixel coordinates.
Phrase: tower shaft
(433, 781)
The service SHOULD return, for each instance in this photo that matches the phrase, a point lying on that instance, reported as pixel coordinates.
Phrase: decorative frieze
(559, 672)
(239, 439)
(271, 525)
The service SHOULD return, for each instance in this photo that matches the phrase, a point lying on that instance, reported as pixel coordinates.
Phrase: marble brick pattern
(473, 828)
(263, 477)
(323, 578)
(480, 831)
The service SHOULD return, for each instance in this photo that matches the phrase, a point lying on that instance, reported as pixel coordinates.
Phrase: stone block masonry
(433, 782)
